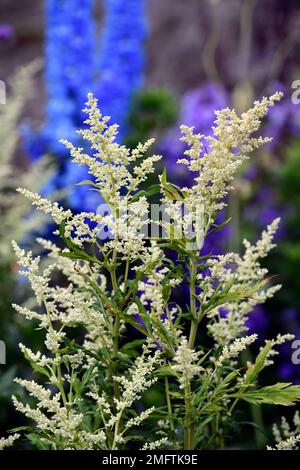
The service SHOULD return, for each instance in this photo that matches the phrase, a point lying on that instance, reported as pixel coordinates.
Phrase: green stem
(61, 387)
(169, 404)
(188, 426)
(257, 418)
(172, 326)
(193, 334)
(256, 412)
(60, 381)
(116, 433)
(126, 270)
(116, 326)
(116, 334)
(193, 307)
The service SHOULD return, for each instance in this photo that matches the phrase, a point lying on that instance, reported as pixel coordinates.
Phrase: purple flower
(257, 321)
(263, 209)
(251, 173)
(215, 242)
(287, 371)
(284, 118)
(6, 32)
(197, 109)
(268, 214)
(291, 314)
(198, 106)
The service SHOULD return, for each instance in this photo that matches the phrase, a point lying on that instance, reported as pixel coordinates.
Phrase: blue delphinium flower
(69, 66)
(68, 40)
(81, 54)
(74, 66)
(122, 59)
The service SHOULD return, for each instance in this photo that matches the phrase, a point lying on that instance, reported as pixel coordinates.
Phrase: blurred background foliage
(153, 64)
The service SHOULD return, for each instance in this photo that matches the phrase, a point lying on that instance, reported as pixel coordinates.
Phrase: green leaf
(284, 394)
(217, 228)
(254, 369)
(75, 251)
(87, 182)
(163, 333)
(131, 321)
(72, 347)
(230, 294)
(176, 246)
(228, 379)
(165, 371)
(131, 348)
(164, 176)
(201, 394)
(37, 441)
(153, 189)
(79, 385)
(22, 428)
(172, 191)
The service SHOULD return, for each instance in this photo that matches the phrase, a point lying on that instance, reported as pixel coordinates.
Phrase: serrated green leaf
(284, 394)
(255, 369)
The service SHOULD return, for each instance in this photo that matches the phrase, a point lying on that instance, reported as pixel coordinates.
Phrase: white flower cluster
(109, 164)
(152, 299)
(244, 280)
(88, 401)
(60, 421)
(73, 271)
(228, 147)
(132, 386)
(280, 339)
(57, 213)
(185, 363)
(9, 441)
(291, 443)
(285, 437)
(214, 171)
(155, 444)
(140, 379)
(231, 352)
